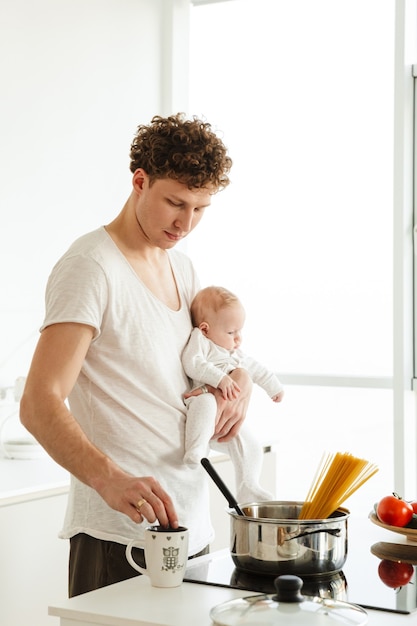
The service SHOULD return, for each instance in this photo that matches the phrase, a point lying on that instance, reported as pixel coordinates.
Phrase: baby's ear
(204, 327)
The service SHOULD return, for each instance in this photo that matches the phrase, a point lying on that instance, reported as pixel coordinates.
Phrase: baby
(211, 354)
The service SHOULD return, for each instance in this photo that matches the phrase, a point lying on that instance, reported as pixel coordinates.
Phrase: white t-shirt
(128, 396)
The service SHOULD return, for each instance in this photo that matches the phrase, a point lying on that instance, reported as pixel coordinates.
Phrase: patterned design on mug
(170, 559)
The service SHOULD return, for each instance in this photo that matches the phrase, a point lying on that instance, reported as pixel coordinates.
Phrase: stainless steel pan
(269, 539)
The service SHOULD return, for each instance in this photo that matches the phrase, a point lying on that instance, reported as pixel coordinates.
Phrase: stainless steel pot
(269, 539)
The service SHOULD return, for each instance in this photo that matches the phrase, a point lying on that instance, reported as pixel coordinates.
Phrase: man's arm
(56, 364)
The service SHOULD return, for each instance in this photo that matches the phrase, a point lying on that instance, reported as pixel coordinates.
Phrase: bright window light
(303, 92)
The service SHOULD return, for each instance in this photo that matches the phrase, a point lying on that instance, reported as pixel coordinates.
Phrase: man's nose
(184, 221)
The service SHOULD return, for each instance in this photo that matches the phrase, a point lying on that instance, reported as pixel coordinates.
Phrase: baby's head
(220, 316)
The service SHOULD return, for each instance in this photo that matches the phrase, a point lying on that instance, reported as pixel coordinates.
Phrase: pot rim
(340, 514)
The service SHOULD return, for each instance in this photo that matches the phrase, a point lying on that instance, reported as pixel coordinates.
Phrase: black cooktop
(359, 582)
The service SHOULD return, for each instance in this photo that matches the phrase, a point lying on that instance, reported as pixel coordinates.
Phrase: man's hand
(139, 498)
(231, 413)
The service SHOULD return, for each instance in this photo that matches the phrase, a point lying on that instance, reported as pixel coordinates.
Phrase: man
(117, 319)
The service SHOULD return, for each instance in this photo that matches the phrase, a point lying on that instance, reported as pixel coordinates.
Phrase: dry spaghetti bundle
(338, 476)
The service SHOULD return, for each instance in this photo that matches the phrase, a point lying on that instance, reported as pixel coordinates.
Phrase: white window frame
(404, 406)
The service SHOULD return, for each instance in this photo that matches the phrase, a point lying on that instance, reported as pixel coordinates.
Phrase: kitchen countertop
(135, 602)
(23, 480)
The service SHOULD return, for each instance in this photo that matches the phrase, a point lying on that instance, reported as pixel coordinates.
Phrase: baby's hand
(229, 388)
(278, 397)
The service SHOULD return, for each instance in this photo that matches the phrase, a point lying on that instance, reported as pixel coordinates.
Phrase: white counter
(33, 497)
(136, 603)
(25, 480)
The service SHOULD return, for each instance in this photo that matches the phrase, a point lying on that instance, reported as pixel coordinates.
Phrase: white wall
(77, 78)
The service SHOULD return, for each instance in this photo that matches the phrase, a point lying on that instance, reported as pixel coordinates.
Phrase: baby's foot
(194, 456)
(253, 493)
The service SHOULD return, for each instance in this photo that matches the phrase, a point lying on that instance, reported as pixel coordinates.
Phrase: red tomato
(395, 574)
(414, 505)
(394, 511)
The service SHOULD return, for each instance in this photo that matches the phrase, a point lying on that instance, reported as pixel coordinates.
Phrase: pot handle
(332, 531)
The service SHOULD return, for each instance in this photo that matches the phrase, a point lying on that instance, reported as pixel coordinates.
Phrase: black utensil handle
(219, 482)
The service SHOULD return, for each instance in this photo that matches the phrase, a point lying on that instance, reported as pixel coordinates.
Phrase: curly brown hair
(186, 150)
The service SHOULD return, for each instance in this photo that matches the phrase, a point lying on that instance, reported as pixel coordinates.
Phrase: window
(304, 94)
(306, 106)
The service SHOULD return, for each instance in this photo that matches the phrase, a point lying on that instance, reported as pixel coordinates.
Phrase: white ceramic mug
(166, 554)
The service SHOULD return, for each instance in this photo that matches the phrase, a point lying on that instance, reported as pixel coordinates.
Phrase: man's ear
(139, 179)
(204, 327)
